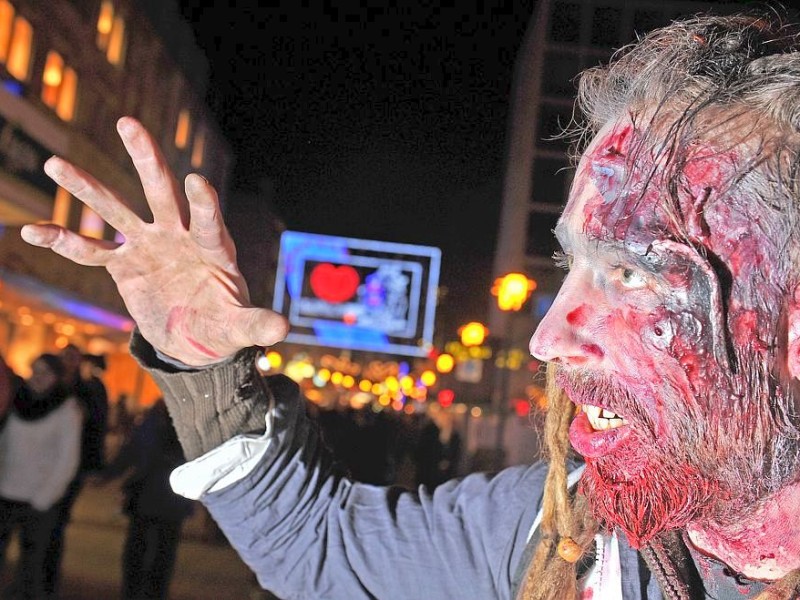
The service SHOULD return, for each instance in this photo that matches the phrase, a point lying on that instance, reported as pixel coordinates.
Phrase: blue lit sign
(357, 294)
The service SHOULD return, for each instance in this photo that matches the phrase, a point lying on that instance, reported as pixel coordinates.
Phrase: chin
(645, 498)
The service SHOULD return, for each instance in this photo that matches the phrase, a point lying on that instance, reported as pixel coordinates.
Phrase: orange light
(198, 148)
(6, 23)
(512, 291)
(106, 18)
(473, 334)
(53, 69)
(182, 129)
(116, 42)
(65, 107)
(445, 363)
(428, 378)
(19, 54)
(61, 207)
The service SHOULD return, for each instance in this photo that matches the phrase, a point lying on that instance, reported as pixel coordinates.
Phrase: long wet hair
(678, 83)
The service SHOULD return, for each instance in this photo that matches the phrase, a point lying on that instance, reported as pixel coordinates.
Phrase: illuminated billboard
(357, 294)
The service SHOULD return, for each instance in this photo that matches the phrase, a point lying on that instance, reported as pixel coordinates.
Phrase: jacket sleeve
(309, 532)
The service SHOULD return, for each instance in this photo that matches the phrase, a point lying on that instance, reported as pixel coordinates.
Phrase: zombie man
(677, 332)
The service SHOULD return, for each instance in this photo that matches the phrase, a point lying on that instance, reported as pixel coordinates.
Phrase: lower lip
(594, 444)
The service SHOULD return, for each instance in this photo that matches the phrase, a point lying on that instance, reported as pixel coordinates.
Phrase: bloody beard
(698, 471)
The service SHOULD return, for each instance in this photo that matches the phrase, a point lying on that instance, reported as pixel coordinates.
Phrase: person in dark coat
(81, 378)
(156, 513)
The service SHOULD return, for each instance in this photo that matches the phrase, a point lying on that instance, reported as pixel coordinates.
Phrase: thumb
(258, 327)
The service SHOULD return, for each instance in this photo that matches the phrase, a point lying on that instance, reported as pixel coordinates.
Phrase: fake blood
(578, 317)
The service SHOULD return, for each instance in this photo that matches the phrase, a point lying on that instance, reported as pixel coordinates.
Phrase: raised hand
(177, 275)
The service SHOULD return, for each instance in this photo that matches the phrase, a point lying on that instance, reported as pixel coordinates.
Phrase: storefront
(44, 306)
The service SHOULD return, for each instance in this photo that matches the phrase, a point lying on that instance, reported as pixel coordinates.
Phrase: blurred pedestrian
(438, 449)
(9, 382)
(39, 457)
(156, 513)
(81, 376)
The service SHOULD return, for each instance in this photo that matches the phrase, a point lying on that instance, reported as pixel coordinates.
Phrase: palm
(177, 275)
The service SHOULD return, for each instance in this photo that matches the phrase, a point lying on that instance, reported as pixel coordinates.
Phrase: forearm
(208, 406)
(308, 532)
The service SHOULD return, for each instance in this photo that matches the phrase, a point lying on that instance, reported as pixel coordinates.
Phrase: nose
(567, 333)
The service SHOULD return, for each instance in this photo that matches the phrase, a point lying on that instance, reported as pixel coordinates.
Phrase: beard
(703, 467)
(668, 495)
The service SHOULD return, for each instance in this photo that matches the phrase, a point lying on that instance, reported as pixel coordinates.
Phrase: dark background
(380, 122)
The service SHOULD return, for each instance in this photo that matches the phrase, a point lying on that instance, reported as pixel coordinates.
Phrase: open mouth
(602, 419)
(598, 431)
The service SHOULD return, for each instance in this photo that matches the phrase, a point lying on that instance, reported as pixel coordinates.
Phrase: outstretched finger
(160, 188)
(94, 194)
(77, 248)
(205, 219)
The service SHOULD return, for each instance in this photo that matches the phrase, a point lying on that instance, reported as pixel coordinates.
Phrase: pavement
(207, 567)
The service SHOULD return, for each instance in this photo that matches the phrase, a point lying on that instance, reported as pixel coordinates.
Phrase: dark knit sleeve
(208, 406)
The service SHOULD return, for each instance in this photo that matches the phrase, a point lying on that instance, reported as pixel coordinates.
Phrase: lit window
(15, 39)
(51, 78)
(182, 130)
(61, 207)
(91, 224)
(198, 148)
(111, 33)
(59, 86)
(116, 45)
(105, 23)
(65, 108)
(6, 25)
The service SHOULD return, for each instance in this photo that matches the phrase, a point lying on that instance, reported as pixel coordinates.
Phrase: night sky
(385, 123)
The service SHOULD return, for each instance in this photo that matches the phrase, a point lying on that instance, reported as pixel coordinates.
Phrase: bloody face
(665, 330)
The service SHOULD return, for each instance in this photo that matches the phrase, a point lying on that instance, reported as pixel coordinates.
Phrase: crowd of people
(53, 428)
(390, 448)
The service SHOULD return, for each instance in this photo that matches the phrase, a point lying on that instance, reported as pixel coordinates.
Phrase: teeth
(608, 420)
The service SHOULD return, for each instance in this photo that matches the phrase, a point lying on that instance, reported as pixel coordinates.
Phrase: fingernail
(125, 126)
(52, 166)
(194, 177)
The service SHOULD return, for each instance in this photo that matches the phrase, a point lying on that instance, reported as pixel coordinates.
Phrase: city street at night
(205, 569)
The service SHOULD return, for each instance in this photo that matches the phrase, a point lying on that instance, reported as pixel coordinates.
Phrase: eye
(631, 278)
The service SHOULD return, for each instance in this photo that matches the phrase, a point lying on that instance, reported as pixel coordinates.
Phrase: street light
(512, 291)
(472, 334)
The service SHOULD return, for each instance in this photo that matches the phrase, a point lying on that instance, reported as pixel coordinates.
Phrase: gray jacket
(308, 532)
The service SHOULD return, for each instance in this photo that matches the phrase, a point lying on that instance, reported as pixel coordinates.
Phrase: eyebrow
(568, 239)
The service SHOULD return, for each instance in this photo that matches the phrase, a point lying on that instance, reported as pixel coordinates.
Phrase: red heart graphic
(334, 284)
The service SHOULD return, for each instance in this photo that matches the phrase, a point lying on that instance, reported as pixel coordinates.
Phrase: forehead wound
(643, 191)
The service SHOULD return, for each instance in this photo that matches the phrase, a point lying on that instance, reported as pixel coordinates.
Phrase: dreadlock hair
(564, 517)
(683, 80)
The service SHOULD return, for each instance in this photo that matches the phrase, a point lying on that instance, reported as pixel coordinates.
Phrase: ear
(793, 335)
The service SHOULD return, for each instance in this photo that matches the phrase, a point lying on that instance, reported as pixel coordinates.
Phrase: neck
(763, 545)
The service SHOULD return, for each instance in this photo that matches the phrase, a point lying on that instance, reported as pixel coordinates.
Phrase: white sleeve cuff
(224, 465)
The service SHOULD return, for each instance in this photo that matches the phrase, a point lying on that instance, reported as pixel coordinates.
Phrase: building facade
(68, 71)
